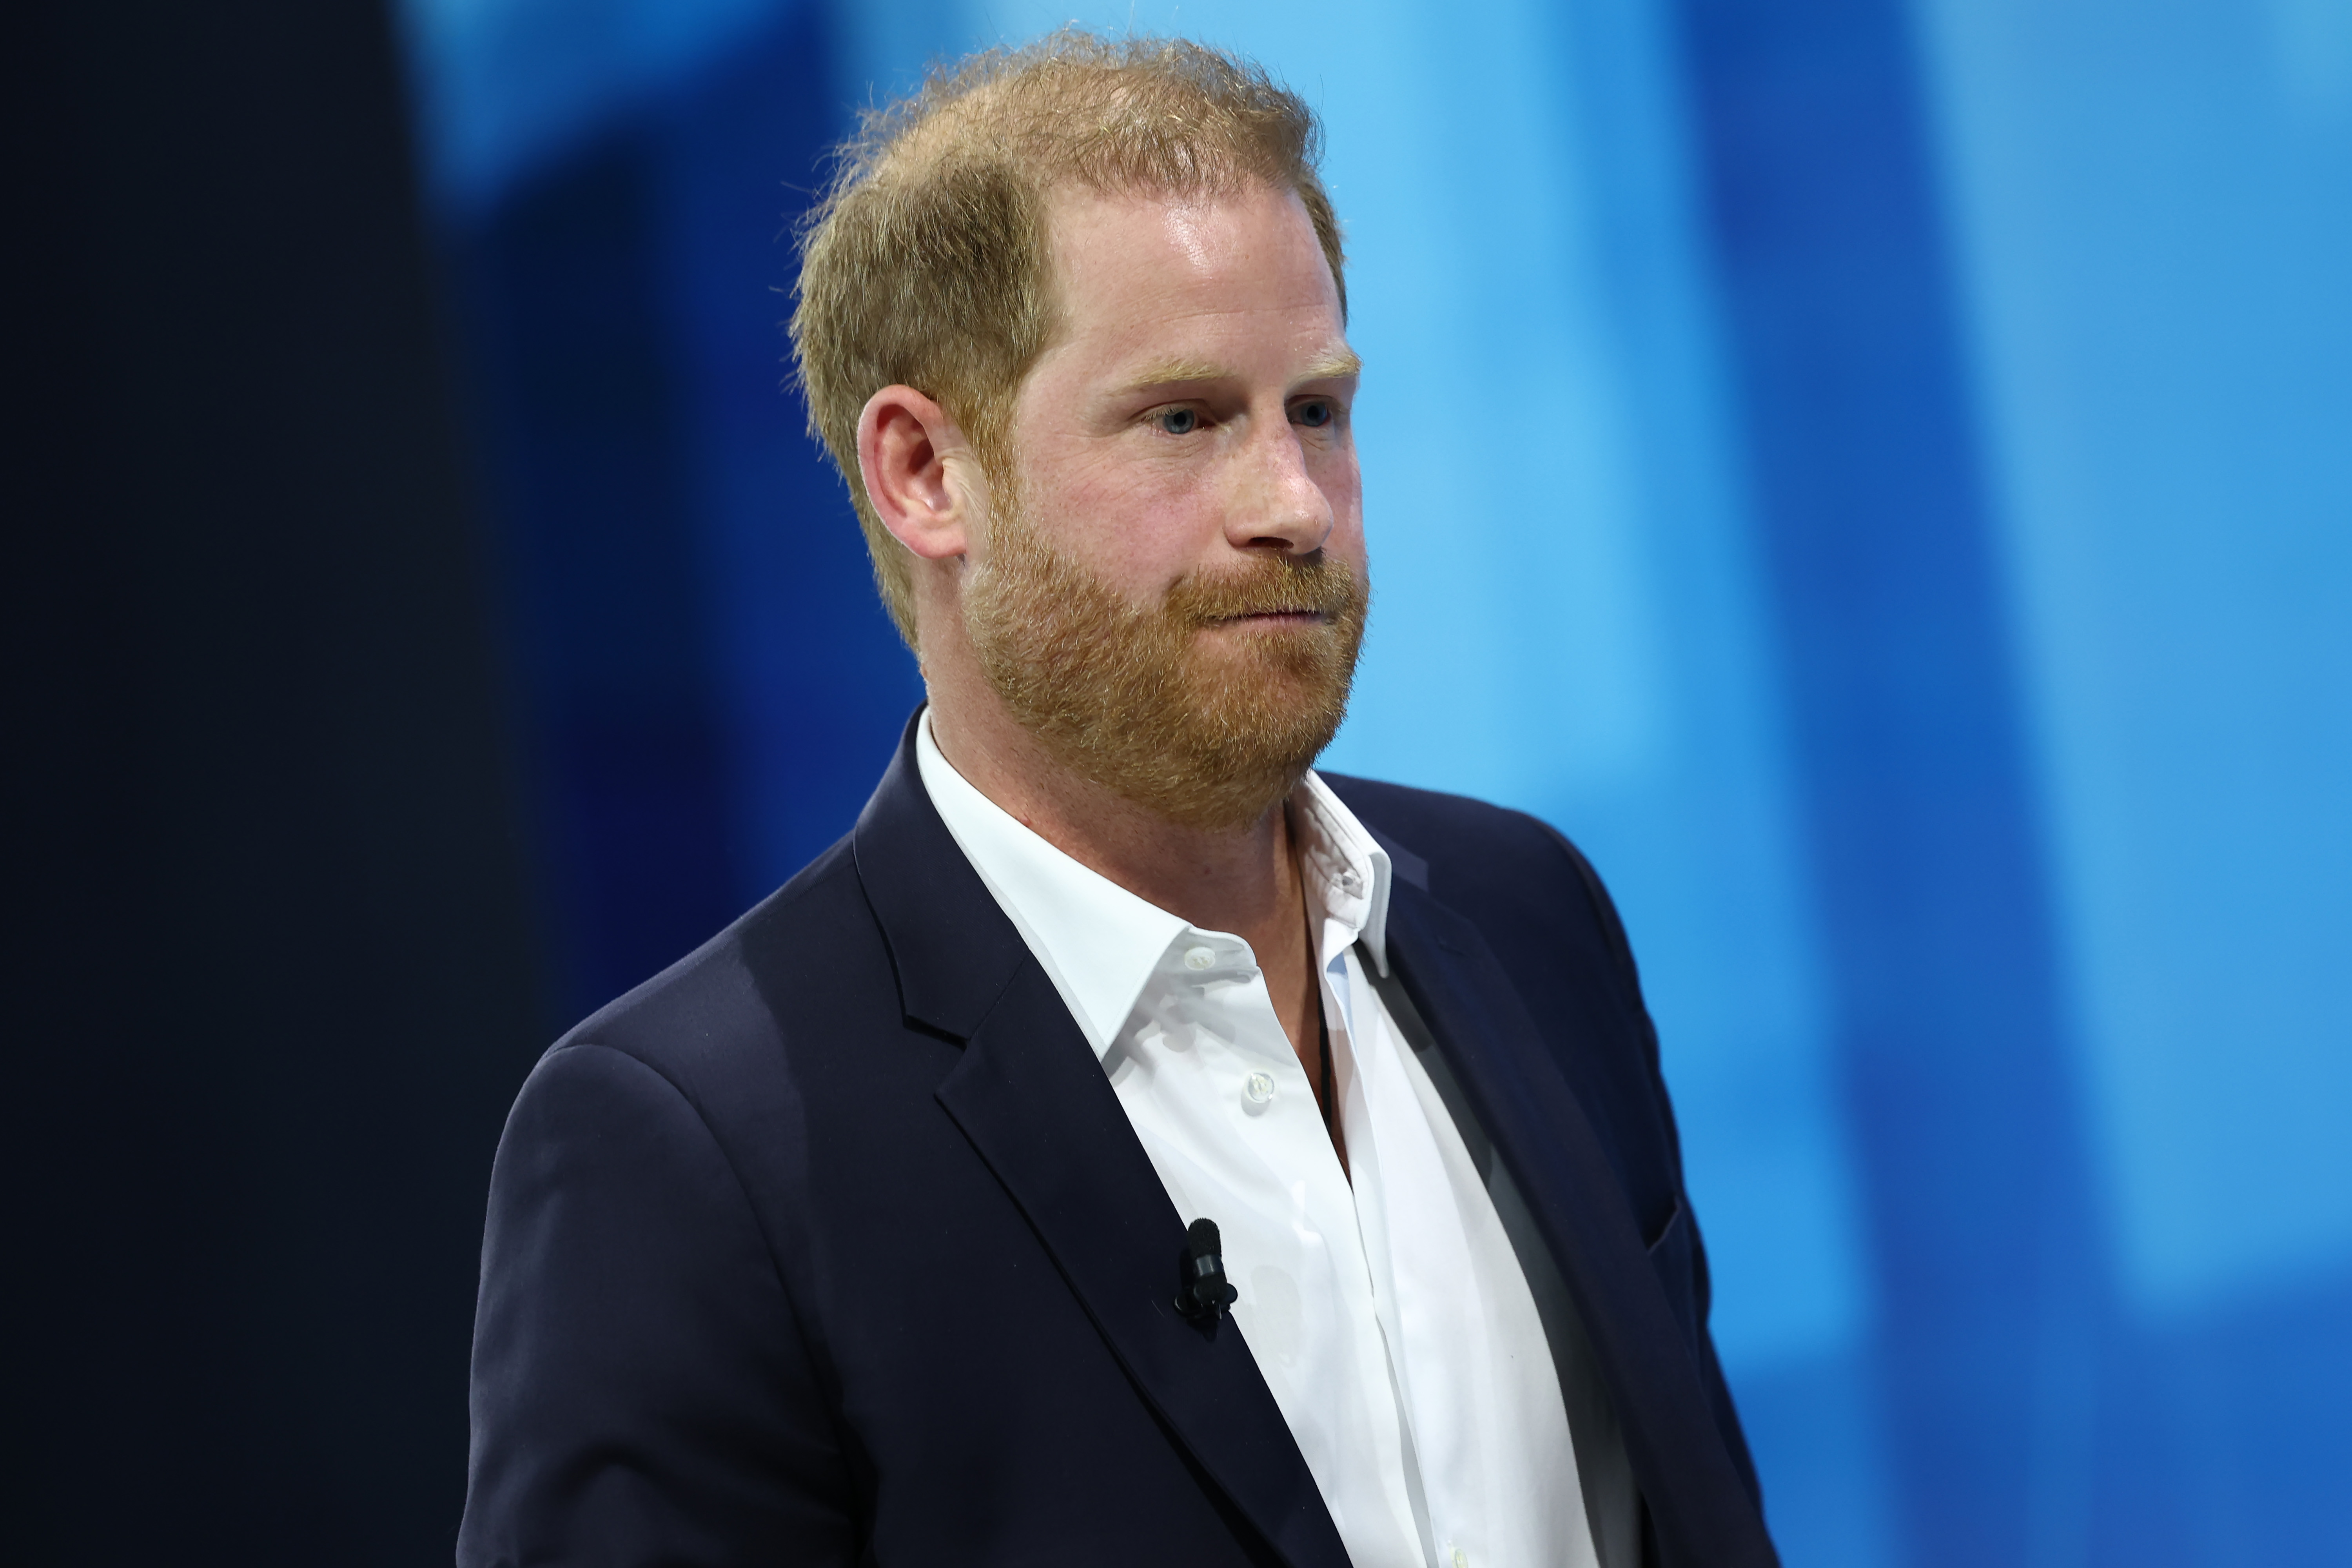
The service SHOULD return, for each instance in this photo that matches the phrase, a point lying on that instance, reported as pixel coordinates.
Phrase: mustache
(1271, 585)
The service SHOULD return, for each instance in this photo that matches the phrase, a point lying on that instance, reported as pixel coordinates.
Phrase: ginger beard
(1207, 728)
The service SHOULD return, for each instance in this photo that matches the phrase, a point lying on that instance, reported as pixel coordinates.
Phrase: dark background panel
(271, 965)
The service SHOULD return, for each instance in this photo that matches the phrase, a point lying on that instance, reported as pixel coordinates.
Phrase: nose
(1275, 502)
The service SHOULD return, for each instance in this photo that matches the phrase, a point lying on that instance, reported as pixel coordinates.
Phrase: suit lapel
(1031, 1096)
(1035, 1104)
(1697, 1500)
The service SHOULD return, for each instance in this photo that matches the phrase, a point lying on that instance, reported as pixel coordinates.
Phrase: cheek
(1137, 525)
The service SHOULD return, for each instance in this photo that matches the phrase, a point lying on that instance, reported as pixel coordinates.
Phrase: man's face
(1171, 589)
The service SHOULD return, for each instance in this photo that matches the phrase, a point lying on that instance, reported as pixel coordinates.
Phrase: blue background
(1878, 475)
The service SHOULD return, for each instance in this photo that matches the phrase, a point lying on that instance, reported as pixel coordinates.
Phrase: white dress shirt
(1388, 1313)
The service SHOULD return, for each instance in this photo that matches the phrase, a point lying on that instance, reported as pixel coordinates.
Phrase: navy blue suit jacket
(833, 1244)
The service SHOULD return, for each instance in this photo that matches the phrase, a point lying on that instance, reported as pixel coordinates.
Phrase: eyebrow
(1331, 366)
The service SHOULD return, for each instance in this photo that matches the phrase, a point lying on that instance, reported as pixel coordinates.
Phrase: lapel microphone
(1202, 1293)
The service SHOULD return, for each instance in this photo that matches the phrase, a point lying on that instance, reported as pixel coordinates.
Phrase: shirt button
(1351, 883)
(1461, 1558)
(1198, 958)
(1260, 1088)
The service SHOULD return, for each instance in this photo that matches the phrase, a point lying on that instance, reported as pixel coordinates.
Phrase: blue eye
(1179, 421)
(1315, 415)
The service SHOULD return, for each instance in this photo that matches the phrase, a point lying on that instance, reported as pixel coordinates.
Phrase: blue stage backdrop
(1878, 475)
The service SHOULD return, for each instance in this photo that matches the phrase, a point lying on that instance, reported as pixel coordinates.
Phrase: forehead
(1133, 266)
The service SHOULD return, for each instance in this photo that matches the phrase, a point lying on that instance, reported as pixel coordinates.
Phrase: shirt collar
(1344, 866)
(1100, 943)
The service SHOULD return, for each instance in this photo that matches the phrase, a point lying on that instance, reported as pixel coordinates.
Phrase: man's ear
(917, 465)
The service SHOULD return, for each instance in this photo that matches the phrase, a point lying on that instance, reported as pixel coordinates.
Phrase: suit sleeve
(641, 1390)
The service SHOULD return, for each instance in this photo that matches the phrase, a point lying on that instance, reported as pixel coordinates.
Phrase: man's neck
(1240, 880)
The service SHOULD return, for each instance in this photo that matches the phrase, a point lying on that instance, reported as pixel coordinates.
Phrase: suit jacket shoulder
(644, 1385)
(1541, 906)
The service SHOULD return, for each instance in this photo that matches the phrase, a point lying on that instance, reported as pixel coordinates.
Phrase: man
(862, 1235)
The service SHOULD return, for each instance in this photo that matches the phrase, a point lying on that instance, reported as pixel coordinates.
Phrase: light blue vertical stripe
(2157, 227)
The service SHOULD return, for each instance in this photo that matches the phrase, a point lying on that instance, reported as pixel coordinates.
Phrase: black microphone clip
(1202, 1293)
